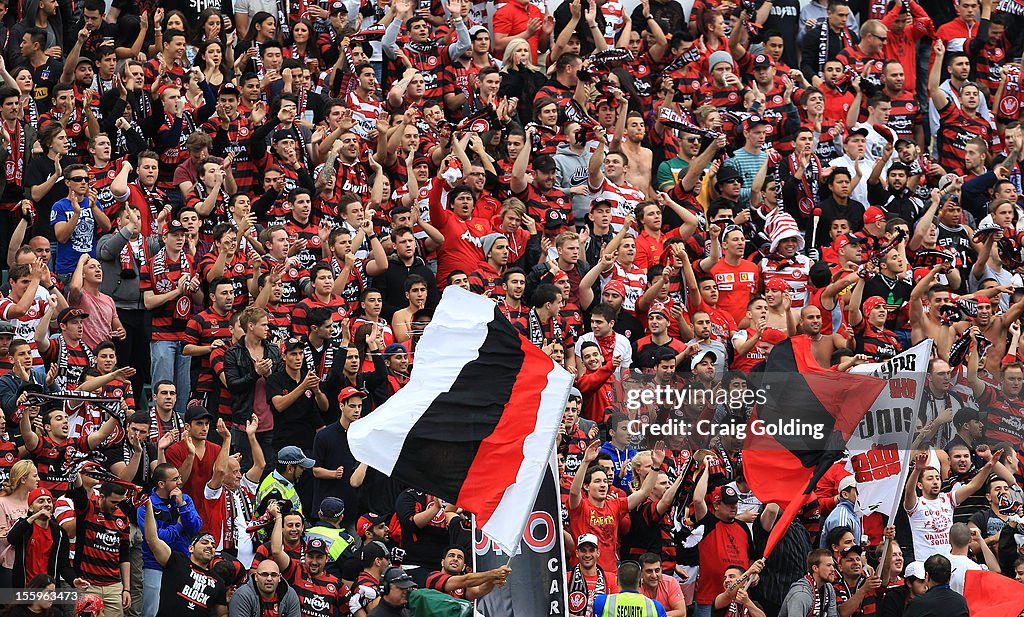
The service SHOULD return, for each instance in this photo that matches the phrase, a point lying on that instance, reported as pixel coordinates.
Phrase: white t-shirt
(961, 564)
(622, 348)
(930, 520)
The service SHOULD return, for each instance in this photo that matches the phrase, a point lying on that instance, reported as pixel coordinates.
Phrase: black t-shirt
(188, 590)
(36, 172)
(296, 425)
(896, 294)
(44, 79)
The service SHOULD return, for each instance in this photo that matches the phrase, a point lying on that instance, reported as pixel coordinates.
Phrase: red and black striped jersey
(538, 203)
(152, 68)
(116, 388)
(858, 60)
(293, 281)
(279, 320)
(339, 310)
(160, 275)
(353, 178)
(554, 89)
(72, 360)
(100, 178)
(222, 393)
(307, 231)
(429, 59)
(203, 329)
(485, 281)
(989, 62)
(905, 115)
(437, 580)
(457, 79)
(868, 606)
(651, 532)
(78, 138)
(296, 553)
(357, 281)
(232, 137)
(955, 129)
(238, 269)
(878, 343)
(218, 215)
(51, 459)
(319, 596)
(102, 543)
(725, 99)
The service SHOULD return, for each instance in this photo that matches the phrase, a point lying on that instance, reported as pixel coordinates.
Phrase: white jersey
(961, 564)
(625, 196)
(930, 521)
(364, 114)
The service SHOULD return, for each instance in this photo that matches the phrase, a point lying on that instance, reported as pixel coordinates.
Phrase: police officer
(341, 544)
(629, 601)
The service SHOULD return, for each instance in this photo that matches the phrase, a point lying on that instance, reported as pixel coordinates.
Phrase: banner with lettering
(880, 449)
(537, 585)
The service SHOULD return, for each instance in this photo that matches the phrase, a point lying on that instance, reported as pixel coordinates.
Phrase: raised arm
(161, 551)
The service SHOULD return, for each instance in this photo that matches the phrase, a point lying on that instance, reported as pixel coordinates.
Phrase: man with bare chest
(822, 345)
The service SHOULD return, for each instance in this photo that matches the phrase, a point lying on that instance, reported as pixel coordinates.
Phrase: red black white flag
(812, 413)
(476, 424)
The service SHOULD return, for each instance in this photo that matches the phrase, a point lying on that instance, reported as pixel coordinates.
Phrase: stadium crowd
(236, 221)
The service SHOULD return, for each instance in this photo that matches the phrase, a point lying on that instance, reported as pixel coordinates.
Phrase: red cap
(349, 392)
(367, 522)
(777, 284)
(872, 302)
(773, 336)
(617, 286)
(874, 214)
(843, 240)
(978, 299)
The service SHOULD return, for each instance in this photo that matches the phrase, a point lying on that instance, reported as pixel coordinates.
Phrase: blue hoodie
(175, 525)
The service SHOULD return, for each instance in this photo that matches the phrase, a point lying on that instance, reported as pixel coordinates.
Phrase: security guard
(341, 544)
(629, 602)
(279, 485)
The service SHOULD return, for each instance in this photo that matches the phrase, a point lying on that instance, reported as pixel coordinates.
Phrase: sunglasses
(78, 179)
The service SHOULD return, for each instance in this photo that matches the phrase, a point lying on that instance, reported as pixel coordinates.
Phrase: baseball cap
(726, 495)
(843, 240)
(587, 538)
(421, 160)
(374, 550)
(847, 483)
(964, 415)
(946, 180)
(367, 522)
(856, 548)
(555, 218)
(703, 353)
(475, 30)
(903, 141)
(915, 570)
(857, 129)
(397, 577)
(6, 327)
(763, 60)
(332, 507)
(69, 314)
(872, 302)
(575, 393)
(229, 88)
(174, 226)
(316, 545)
(544, 162)
(616, 286)
(753, 121)
(41, 492)
(283, 134)
(874, 214)
(349, 392)
(197, 412)
(394, 349)
(292, 455)
(602, 202)
(294, 342)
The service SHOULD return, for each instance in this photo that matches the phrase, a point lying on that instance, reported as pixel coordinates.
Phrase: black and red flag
(992, 595)
(476, 424)
(813, 412)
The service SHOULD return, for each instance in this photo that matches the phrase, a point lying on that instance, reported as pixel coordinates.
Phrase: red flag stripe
(500, 455)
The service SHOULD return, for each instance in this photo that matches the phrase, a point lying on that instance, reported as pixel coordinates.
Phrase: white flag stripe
(513, 511)
(884, 494)
(378, 439)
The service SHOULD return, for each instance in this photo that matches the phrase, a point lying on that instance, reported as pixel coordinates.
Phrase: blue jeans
(151, 591)
(167, 362)
(703, 610)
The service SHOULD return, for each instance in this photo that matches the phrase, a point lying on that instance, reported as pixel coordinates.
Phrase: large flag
(881, 447)
(537, 585)
(993, 595)
(476, 424)
(801, 428)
